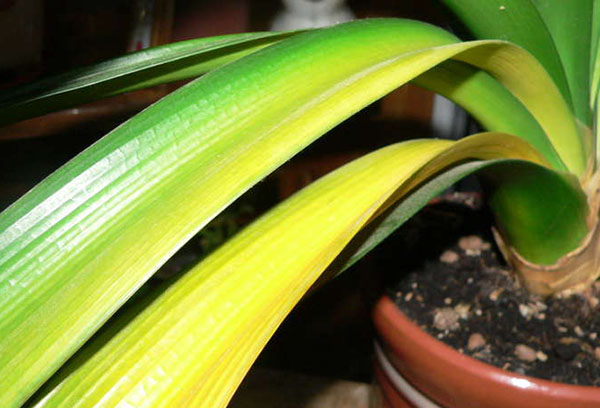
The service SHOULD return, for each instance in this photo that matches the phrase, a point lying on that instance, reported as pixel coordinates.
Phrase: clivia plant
(80, 244)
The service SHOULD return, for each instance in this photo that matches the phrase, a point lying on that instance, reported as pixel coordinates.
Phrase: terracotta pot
(432, 374)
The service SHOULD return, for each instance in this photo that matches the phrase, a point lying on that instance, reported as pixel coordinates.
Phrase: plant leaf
(570, 25)
(595, 77)
(204, 332)
(381, 228)
(180, 60)
(77, 246)
(524, 222)
(594, 60)
(504, 67)
(137, 70)
(519, 22)
(488, 102)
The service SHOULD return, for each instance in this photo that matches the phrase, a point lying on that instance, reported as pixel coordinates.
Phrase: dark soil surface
(468, 299)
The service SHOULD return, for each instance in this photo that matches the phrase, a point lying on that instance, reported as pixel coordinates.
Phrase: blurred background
(321, 356)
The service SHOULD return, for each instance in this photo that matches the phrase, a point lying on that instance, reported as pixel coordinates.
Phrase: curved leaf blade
(207, 328)
(401, 211)
(594, 50)
(74, 241)
(507, 65)
(570, 25)
(488, 102)
(527, 211)
(519, 22)
(137, 70)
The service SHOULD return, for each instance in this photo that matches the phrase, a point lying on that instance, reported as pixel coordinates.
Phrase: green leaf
(594, 50)
(76, 247)
(595, 77)
(488, 102)
(566, 234)
(382, 227)
(509, 66)
(528, 212)
(206, 329)
(137, 70)
(570, 24)
(519, 22)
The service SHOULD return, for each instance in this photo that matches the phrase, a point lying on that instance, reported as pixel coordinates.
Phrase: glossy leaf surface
(517, 21)
(75, 248)
(570, 25)
(205, 330)
(141, 69)
(488, 102)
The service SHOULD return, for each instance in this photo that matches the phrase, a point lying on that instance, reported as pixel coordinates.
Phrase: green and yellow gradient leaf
(506, 64)
(399, 212)
(206, 329)
(179, 61)
(488, 102)
(570, 25)
(594, 60)
(76, 247)
(595, 75)
(517, 21)
(137, 70)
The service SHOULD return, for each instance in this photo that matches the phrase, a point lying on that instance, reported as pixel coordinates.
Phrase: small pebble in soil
(587, 348)
(525, 311)
(525, 353)
(446, 318)
(449, 257)
(463, 310)
(476, 341)
(540, 355)
(495, 294)
(473, 245)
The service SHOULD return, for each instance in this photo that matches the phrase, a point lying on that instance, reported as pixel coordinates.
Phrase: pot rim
(398, 333)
